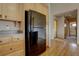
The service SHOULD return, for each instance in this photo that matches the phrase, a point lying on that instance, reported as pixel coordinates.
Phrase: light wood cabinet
(21, 17)
(12, 46)
(21, 37)
(17, 53)
(9, 11)
(1, 11)
(12, 12)
(20, 12)
(5, 40)
(4, 10)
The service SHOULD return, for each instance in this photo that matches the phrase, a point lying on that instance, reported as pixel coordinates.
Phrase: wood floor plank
(61, 48)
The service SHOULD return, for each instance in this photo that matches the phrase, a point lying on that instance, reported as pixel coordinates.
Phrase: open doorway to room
(70, 27)
(65, 26)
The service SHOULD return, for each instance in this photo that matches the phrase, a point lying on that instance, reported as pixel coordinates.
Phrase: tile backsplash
(8, 28)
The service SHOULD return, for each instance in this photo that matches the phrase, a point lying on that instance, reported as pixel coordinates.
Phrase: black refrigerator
(35, 33)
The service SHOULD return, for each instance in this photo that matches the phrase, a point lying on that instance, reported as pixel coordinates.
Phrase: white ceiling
(65, 9)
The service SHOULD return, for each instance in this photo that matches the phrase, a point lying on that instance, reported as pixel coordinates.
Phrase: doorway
(70, 27)
(65, 25)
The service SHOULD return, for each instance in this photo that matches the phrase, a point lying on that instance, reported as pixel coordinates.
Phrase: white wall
(50, 22)
(57, 8)
(60, 27)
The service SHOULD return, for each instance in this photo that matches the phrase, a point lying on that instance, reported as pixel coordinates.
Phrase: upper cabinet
(1, 12)
(20, 12)
(10, 11)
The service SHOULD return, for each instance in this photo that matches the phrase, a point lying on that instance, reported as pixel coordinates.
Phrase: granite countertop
(13, 35)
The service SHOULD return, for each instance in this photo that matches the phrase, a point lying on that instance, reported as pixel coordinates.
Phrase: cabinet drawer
(5, 40)
(11, 47)
(18, 45)
(17, 53)
(17, 38)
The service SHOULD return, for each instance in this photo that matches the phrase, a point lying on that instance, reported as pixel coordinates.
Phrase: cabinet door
(5, 40)
(0, 8)
(9, 11)
(4, 10)
(17, 53)
(11, 47)
(12, 11)
(1, 13)
(20, 12)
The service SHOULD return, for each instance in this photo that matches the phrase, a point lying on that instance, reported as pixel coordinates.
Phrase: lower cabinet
(12, 48)
(17, 53)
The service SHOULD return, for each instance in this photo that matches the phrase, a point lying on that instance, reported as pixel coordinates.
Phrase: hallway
(71, 39)
(62, 48)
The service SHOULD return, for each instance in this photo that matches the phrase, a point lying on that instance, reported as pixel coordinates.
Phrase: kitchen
(12, 27)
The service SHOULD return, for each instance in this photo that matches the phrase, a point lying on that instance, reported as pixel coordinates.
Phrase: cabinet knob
(11, 49)
(0, 41)
(17, 38)
(5, 16)
(0, 16)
